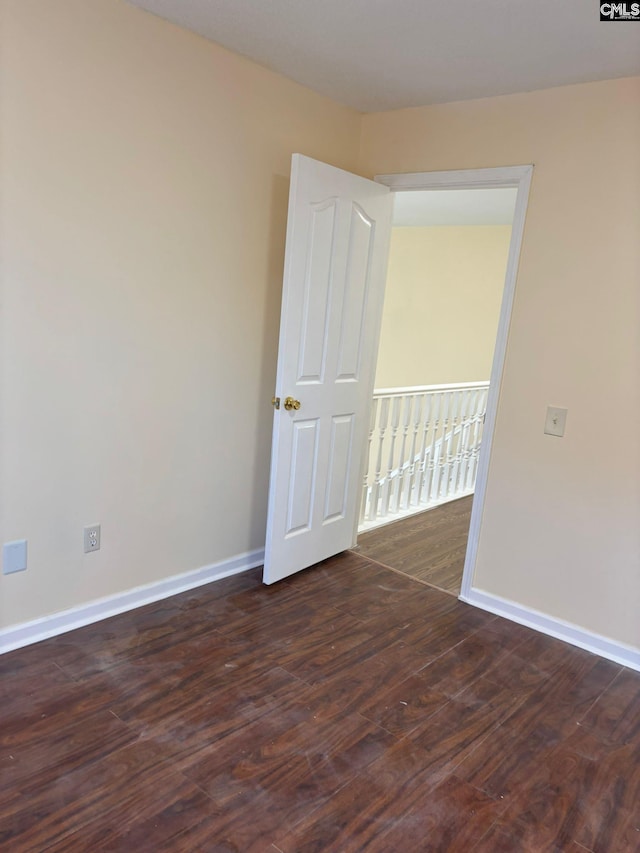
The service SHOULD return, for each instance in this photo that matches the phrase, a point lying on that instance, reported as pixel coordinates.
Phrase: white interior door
(335, 268)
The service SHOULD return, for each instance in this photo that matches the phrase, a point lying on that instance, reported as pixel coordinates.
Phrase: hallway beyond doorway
(429, 546)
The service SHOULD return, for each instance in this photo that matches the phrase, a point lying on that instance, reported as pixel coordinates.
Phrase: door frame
(515, 177)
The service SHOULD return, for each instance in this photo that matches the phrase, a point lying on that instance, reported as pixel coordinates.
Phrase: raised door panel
(318, 278)
(304, 461)
(340, 456)
(355, 294)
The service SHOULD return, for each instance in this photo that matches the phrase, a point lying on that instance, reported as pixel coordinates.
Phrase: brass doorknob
(291, 405)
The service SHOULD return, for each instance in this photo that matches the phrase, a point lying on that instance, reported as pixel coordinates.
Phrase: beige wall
(441, 304)
(144, 176)
(560, 528)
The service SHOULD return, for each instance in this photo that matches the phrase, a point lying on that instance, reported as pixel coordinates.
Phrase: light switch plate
(14, 556)
(555, 421)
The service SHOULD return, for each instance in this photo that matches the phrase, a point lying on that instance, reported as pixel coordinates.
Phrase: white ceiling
(387, 54)
(454, 207)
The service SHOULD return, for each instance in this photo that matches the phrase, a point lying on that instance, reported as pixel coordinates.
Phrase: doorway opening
(447, 307)
(333, 289)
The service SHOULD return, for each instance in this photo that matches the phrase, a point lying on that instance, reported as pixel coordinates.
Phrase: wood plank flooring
(429, 546)
(349, 708)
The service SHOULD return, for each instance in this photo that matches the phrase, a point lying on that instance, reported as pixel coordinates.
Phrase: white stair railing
(424, 443)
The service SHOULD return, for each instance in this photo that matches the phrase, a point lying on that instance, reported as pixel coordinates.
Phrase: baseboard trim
(611, 649)
(26, 633)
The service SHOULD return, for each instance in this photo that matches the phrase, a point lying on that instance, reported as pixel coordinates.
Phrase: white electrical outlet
(555, 421)
(92, 538)
(14, 556)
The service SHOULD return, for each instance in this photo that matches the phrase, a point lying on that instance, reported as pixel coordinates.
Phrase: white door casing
(335, 266)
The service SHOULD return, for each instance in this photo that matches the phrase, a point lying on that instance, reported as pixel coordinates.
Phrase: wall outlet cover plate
(14, 556)
(91, 538)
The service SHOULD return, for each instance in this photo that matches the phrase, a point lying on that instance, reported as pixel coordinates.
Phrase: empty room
(196, 215)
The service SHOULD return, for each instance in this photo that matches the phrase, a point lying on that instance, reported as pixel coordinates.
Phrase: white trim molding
(458, 179)
(604, 646)
(26, 633)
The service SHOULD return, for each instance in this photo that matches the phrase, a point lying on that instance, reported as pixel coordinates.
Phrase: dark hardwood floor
(430, 546)
(347, 709)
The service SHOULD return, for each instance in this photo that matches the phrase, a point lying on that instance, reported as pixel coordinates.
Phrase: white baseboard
(27, 633)
(561, 630)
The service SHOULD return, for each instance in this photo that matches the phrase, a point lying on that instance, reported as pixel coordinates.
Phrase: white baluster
(477, 438)
(419, 414)
(388, 484)
(404, 463)
(441, 450)
(450, 444)
(368, 474)
(478, 427)
(422, 462)
(460, 441)
(374, 505)
(427, 486)
(464, 451)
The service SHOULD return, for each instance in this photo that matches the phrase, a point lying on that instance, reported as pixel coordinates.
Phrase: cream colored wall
(560, 528)
(441, 304)
(144, 176)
